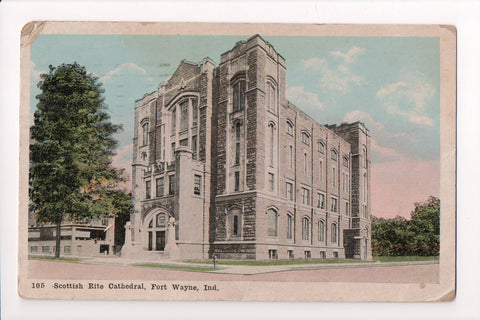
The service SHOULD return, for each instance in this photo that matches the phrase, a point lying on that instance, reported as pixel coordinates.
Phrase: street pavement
(107, 268)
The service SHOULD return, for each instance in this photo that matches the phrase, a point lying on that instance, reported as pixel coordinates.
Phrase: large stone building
(224, 165)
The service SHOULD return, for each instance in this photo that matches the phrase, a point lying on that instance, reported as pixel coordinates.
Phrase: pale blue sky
(390, 83)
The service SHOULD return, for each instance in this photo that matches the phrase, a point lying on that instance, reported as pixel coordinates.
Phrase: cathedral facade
(224, 165)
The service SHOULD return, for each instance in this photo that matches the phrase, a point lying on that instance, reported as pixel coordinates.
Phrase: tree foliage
(418, 236)
(72, 148)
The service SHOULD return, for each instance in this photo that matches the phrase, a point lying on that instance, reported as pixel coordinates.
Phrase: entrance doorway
(156, 231)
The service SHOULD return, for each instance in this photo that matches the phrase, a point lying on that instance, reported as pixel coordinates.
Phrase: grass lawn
(53, 259)
(172, 267)
(384, 259)
(276, 262)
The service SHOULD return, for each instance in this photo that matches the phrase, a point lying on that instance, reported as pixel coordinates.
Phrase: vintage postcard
(252, 162)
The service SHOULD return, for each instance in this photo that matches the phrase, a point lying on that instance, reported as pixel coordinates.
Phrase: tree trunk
(57, 240)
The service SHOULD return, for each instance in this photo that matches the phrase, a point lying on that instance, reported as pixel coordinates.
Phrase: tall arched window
(365, 187)
(234, 223)
(334, 155)
(289, 128)
(305, 138)
(239, 95)
(145, 134)
(305, 228)
(272, 217)
(333, 233)
(305, 163)
(174, 120)
(238, 130)
(321, 231)
(271, 141)
(271, 97)
(365, 160)
(184, 115)
(289, 226)
(321, 147)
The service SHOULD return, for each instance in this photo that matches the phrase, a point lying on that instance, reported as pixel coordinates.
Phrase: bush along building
(224, 165)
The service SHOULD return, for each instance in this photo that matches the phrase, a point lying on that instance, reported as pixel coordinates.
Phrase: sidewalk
(244, 270)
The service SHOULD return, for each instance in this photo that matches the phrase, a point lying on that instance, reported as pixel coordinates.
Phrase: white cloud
(315, 63)
(364, 117)
(389, 89)
(338, 79)
(408, 97)
(303, 98)
(125, 67)
(384, 152)
(349, 57)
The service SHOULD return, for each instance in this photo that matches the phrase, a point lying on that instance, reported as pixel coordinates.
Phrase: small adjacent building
(96, 237)
(224, 165)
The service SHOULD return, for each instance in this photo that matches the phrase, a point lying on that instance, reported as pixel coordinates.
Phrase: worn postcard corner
(255, 162)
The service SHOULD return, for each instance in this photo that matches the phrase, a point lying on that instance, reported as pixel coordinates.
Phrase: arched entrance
(155, 228)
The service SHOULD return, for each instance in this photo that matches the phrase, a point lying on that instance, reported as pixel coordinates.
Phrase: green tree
(418, 236)
(71, 150)
(425, 227)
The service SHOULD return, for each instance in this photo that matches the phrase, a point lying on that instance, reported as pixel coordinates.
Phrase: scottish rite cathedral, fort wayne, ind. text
(224, 165)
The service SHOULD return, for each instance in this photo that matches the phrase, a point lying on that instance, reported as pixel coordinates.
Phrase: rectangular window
(148, 189)
(197, 184)
(347, 208)
(334, 205)
(45, 249)
(195, 115)
(334, 177)
(290, 157)
(174, 120)
(289, 191)
(271, 181)
(171, 184)
(194, 145)
(184, 143)
(160, 187)
(321, 201)
(290, 254)
(343, 181)
(66, 249)
(308, 255)
(237, 153)
(272, 254)
(305, 196)
(237, 181)
(323, 255)
(173, 150)
(33, 249)
(184, 116)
